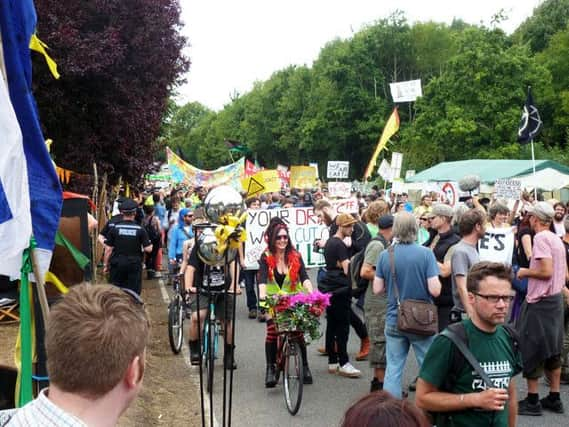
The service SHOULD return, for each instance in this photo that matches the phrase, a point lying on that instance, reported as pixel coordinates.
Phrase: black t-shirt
(523, 260)
(335, 251)
(216, 273)
(263, 275)
(446, 240)
(127, 239)
(110, 225)
(360, 236)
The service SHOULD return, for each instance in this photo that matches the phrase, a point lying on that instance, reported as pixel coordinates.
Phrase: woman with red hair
(281, 269)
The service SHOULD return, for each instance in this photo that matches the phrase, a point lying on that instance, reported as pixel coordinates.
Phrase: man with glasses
(96, 339)
(541, 317)
(445, 386)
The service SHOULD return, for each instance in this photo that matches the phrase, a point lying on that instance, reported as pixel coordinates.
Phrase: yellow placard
(271, 180)
(304, 177)
(253, 186)
(265, 181)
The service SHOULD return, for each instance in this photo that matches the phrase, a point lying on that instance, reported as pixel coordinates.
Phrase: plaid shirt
(41, 412)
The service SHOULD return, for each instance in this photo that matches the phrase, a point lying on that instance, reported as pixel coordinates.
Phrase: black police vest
(128, 239)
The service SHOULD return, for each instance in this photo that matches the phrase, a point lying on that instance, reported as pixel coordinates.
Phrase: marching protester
(355, 242)
(250, 275)
(425, 206)
(128, 240)
(195, 278)
(336, 281)
(96, 339)
(151, 224)
(178, 235)
(558, 219)
(541, 318)
(565, 354)
(453, 389)
(281, 270)
(464, 256)
(406, 271)
(443, 242)
(375, 306)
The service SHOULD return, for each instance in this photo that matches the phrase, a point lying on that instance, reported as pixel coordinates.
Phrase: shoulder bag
(413, 316)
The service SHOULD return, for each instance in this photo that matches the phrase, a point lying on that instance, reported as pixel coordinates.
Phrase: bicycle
(289, 362)
(210, 341)
(176, 314)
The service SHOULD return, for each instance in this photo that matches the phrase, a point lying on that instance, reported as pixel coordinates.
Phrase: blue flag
(17, 24)
(530, 123)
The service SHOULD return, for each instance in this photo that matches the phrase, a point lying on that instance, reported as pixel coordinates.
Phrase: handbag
(413, 316)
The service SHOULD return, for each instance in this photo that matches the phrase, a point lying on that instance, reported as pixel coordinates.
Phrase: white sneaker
(333, 368)
(349, 371)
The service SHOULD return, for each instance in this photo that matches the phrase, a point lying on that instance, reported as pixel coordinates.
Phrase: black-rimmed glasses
(494, 299)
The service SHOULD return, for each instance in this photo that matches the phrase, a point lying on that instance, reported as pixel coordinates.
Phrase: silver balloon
(207, 249)
(221, 201)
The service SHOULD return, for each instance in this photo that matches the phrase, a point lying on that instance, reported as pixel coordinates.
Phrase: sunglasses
(424, 219)
(188, 216)
(135, 297)
(282, 237)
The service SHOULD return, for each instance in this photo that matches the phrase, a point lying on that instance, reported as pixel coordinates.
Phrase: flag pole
(533, 164)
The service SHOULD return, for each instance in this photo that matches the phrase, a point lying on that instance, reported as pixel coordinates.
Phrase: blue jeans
(397, 350)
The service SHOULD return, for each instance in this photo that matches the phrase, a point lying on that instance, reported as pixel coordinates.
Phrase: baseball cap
(345, 220)
(128, 206)
(440, 209)
(542, 210)
(385, 222)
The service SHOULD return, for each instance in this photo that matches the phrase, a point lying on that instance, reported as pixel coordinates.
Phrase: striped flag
(30, 193)
(391, 127)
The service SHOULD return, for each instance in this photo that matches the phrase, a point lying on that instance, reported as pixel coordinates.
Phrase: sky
(233, 43)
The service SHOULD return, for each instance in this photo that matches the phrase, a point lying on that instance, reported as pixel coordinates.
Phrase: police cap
(128, 206)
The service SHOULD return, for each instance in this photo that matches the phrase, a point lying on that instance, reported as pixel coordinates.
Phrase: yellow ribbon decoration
(37, 45)
(52, 278)
(230, 233)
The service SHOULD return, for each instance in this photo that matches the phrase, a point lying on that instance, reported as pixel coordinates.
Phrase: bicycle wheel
(176, 323)
(209, 353)
(292, 376)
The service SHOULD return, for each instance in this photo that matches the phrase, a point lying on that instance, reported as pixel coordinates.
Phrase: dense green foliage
(474, 80)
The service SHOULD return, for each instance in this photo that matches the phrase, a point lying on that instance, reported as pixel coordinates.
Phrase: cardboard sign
(304, 228)
(385, 171)
(350, 205)
(497, 245)
(338, 170)
(407, 91)
(340, 189)
(303, 177)
(510, 189)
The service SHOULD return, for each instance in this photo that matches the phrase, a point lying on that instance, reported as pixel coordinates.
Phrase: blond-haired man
(95, 341)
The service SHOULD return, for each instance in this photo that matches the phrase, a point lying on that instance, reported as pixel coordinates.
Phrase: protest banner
(497, 245)
(303, 177)
(510, 189)
(186, 173)
(407, 91)
(340, 189)
(304, 228)
(338, 170)
(350, 205)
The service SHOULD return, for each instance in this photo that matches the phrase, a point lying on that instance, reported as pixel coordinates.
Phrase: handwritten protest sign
(508, 189)
(340, 189)
(338, 170)
(304, 227)
(303, 177)
(350, 205)
(497, 245)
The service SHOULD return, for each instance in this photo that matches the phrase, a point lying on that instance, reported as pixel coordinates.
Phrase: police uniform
(127, 238)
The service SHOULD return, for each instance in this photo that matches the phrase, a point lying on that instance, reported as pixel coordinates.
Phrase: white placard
(407, 91)
(396, 162)
(409, 173)
(315, 166)
(350, 205)
(497, 245)
(338, 169)
(385, 171)
(510, 189)
(304, 228)
(340, 189)
(398, 186)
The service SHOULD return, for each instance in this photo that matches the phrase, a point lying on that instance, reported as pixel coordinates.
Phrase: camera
(315, 247)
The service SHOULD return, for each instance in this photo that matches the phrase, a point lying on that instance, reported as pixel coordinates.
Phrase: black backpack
(445, 419)
(153, 233)
(359, 284)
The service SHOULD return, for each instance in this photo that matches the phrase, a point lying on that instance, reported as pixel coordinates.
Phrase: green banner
(159, 177)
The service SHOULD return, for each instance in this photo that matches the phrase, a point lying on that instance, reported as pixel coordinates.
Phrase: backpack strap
(462, 346)
(514, 336)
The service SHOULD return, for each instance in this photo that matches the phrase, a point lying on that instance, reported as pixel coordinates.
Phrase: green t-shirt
(496, 356)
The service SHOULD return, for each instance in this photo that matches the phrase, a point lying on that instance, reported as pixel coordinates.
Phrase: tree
(182, 122)
(548, 18)
(119, 61)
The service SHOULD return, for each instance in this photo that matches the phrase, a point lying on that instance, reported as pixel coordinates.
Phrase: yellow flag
(391, 127)
(39, 46)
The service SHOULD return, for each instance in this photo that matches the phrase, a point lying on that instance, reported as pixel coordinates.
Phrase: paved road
(325, 401)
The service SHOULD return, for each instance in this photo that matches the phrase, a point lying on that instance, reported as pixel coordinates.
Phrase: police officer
(128, 239)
